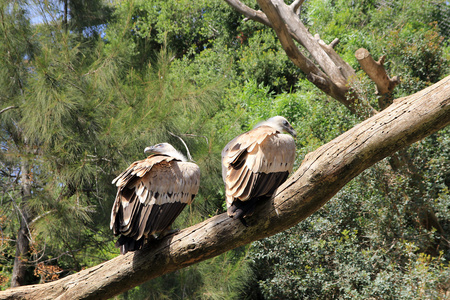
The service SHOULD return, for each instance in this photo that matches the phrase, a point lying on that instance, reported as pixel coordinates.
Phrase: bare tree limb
(288, 44)
(346, 70)
(334, 43)
(292, 21)
(376, 71)
(295, 6)
(331, 67)
(296, 29)
(321, 175)
(8, 108)
(300, 33)
(250, 13)
(333, 83)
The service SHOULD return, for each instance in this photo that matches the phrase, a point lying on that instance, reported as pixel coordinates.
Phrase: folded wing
(255, 163)
(151, 194)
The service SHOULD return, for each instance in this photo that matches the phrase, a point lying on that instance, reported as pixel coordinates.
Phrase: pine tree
(49, 141)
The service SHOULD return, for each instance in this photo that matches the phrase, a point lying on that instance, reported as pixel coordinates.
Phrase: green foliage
(264, 60)
(87, 17)
(84, 113)
(414, 46)
(362, 244)
(421, 56)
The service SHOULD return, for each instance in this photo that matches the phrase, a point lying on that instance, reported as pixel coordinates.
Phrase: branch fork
(334, 73)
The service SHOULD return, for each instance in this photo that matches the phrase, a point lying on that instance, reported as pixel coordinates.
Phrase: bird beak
(148, 149)
(292, 131)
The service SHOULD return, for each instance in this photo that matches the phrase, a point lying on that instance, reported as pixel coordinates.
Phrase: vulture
(255, 163)
(151, 193)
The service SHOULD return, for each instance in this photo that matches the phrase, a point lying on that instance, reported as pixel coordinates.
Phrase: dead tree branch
(327, 65)
(376, 71)
(8, 108)
(295, 6)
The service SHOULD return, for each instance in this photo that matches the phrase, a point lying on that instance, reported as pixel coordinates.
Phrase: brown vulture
(255, 163)
(151, 193)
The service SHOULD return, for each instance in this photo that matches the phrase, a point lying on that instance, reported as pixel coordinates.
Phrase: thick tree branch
(334, 68)
(295, 25)
(248, 12)
(347, 71)
(322, 174)
(288, 44)
(295, 6)
(332, 83)
(376, 71)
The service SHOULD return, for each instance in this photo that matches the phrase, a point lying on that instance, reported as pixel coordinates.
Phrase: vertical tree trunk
(66, 12)
(23, 238)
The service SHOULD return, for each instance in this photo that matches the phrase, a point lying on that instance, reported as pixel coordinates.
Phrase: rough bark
(22, 240)
(249, 13)
(375, 70)
(321, 175)
(22, 254)
(331, 82)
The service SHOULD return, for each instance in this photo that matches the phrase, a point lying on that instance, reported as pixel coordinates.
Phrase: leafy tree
(52, 147)
(82, 114)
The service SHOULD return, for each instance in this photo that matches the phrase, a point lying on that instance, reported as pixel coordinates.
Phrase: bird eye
(285, 123)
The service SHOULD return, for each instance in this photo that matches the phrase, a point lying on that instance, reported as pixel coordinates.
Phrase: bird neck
(266, 123)
(176, 154)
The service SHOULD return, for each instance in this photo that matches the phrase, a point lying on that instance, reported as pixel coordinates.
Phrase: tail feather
(125, 244)
(241, 209)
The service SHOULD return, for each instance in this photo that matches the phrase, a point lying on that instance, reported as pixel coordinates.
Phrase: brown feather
(255, 163)
(151, 194)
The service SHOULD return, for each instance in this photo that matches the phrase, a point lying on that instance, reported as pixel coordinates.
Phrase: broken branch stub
(377, 73)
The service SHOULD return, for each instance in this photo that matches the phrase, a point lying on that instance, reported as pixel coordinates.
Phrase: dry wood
(329, 72)
(296, 5)
(248, 12)
(331, 80)
(8, 108)
(376, 71)
(322, 174)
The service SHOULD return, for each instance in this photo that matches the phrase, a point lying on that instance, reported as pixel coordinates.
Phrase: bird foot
(167, 232)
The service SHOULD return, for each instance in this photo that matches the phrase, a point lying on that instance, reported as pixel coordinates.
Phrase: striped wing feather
(256, 162)
(151, 194)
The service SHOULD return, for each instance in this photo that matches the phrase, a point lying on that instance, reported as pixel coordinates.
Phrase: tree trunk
(22, 240)
(321, 175)
(66, 13)
(21, 256)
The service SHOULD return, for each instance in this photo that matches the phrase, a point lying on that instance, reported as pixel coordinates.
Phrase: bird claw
(167, 232)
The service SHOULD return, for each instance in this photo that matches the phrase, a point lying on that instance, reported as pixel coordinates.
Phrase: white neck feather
(178, 155)
(271, 124)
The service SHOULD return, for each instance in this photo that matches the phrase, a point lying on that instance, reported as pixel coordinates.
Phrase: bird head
(165, 148)
(280, 124)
